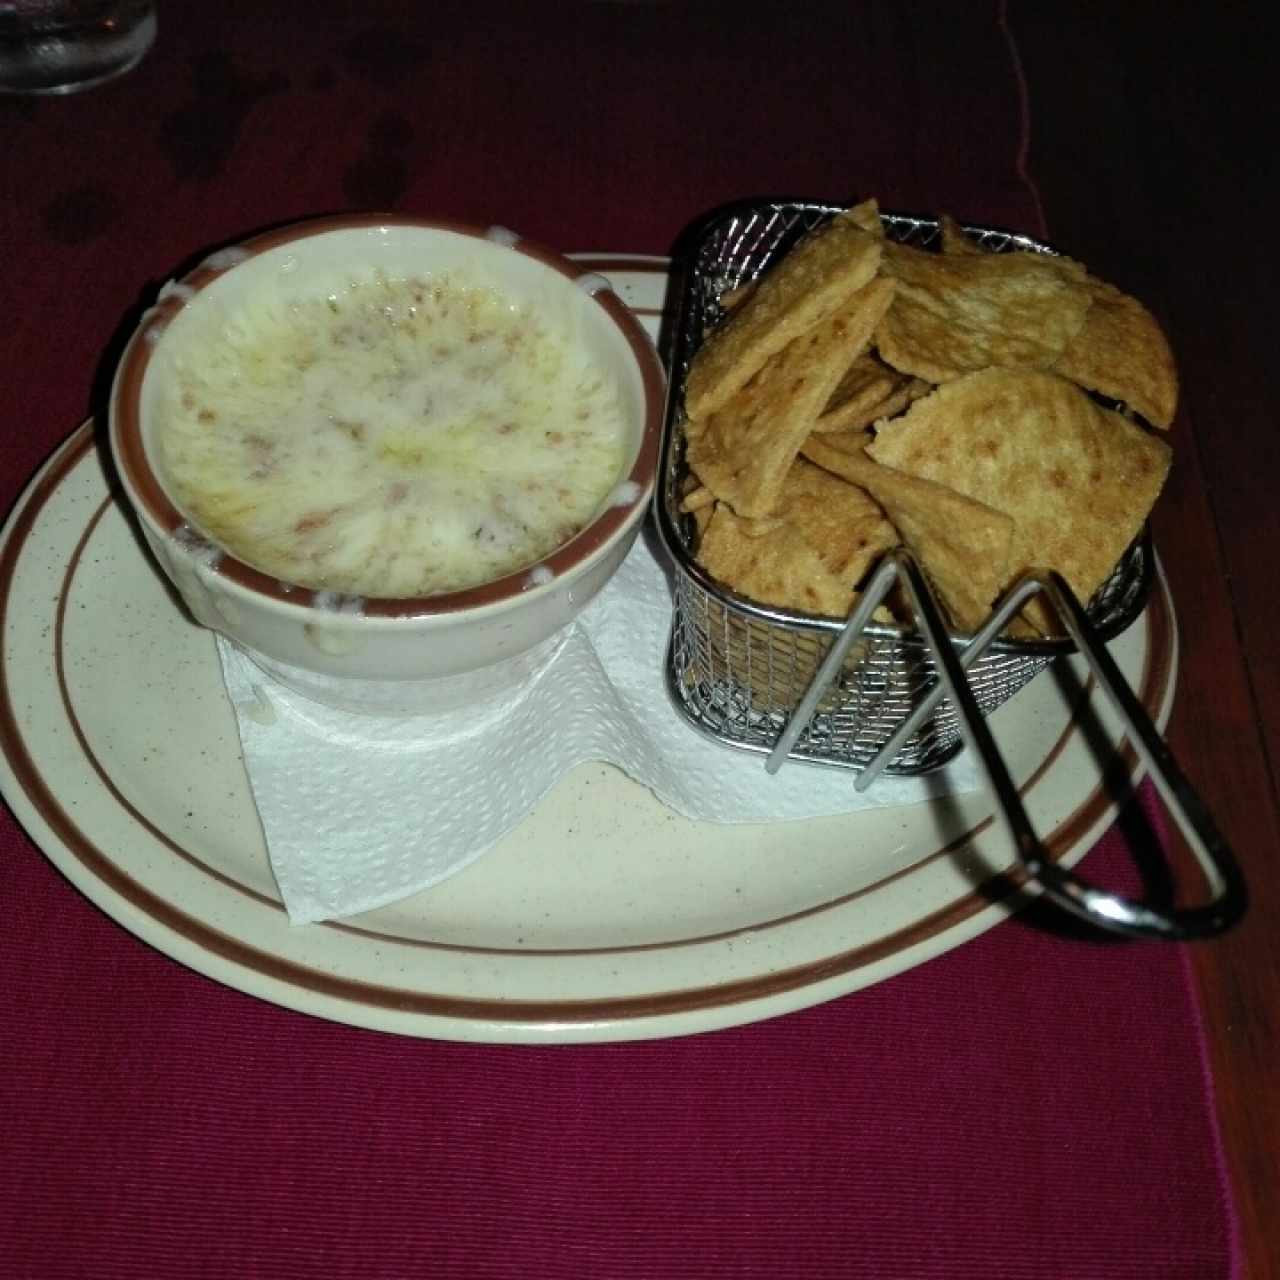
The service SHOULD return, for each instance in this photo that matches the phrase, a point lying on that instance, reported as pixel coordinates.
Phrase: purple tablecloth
(1030, 1104)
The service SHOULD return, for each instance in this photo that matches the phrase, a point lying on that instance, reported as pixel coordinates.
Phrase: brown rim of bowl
(145, 487)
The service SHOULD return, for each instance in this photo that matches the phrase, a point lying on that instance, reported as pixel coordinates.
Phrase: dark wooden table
(1144, 145)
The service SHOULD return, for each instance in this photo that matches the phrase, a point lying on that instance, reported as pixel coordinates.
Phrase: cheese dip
(391, 437)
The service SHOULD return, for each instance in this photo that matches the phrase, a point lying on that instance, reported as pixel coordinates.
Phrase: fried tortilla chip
(821, 541)
(1077, 480)
(732, 299)
(701, 517)
(743, 452)
(866, 383)
(696, 502)
(961, 545)
(868, 390)
(867, 216)
(697, 498)
(953, 314)
(1122, 353)
(954, 238)
(807, 286)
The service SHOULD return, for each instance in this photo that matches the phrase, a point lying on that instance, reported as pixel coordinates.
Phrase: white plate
(602, 917)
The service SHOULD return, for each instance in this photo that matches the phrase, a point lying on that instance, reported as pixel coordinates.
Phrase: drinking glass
(63, 46)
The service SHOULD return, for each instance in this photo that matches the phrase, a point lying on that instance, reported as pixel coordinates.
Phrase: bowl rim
(146, 492)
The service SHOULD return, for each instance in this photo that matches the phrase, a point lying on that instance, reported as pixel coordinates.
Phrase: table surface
(1123, 147)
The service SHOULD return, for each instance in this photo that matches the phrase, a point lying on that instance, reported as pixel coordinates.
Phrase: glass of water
(63, 46)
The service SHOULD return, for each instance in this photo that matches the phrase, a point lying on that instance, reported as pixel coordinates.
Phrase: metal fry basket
(737, 670)
(867, 696)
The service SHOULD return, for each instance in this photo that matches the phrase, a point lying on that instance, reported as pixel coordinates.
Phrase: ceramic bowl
(389, 655)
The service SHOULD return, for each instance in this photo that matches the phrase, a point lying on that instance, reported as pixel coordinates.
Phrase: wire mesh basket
(737, 670)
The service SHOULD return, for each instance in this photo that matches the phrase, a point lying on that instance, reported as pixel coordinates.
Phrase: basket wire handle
(1109, 911)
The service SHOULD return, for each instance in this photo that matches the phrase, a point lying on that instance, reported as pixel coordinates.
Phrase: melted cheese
(394, 438)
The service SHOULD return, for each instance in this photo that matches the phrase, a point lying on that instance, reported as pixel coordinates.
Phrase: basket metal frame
(788, 732)
(1114, 912)
(736, 668)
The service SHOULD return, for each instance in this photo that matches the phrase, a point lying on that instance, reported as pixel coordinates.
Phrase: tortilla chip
(852, 441)
(732, 299)
(701, 517)
(1077, 480)
(1122, 353)
(961, 545)
(953, 237)
(743, 451)
(812, 282)
(697, 498)
(868, 390)
(957, 313)
(821, 541)
(768, 561)
(866, 383)
(867, 216)
(862, 407)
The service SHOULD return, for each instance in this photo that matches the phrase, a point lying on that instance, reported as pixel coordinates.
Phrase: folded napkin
(359, 811)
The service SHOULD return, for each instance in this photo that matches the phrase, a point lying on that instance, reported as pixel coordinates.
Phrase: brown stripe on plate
(195, 860)
(1153, 685)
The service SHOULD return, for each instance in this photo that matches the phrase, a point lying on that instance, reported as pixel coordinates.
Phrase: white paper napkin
(360, 811)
